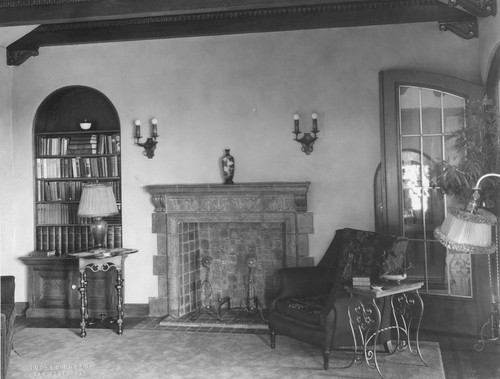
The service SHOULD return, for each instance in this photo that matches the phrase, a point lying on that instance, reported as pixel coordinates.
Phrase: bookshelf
(66, 157)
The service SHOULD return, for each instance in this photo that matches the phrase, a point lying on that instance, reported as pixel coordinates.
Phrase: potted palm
(394, 266)
(477, 148)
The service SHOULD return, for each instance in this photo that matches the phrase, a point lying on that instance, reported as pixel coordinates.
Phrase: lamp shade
(467, 232)
(97, 200)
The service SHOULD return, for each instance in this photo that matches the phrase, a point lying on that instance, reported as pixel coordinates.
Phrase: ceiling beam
(325, 15)
(30, 12)
(479, 8)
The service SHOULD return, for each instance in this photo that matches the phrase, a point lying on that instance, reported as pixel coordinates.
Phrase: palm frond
(477, 148)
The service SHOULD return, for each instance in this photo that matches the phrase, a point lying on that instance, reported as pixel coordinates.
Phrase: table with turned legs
(101, 260)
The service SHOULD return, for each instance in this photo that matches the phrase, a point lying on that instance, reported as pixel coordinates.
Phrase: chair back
(359, 252)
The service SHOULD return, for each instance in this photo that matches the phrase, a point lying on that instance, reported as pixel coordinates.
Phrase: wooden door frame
(443, 313)
(390, 144)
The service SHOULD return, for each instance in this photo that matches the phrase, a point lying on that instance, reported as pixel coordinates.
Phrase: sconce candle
(314, 116)
(137, 124)
(154, 123)
(296, 123)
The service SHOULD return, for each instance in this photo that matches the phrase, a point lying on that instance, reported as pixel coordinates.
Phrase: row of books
(81, 144)
(72, 239)
(61, 213)
(78, 167)
(57, 214)
(67, 191)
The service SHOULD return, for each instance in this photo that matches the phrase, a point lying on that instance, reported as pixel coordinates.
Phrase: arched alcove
(67, 157)
(65, 108)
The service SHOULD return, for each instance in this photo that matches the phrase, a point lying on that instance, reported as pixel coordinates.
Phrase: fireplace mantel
(178, 206)
(257, 197)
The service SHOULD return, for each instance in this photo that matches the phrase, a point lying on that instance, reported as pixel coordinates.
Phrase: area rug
(61, 353)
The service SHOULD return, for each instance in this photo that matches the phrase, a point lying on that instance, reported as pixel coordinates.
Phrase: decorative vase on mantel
(228, 167)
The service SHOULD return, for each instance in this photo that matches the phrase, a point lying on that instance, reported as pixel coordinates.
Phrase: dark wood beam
(29, 12)
(479, 8)
(326, 15)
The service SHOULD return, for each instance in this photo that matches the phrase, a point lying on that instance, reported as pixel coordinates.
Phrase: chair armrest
(8, 289)
(304, 281)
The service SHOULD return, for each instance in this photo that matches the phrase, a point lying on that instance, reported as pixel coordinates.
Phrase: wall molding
(131, 310)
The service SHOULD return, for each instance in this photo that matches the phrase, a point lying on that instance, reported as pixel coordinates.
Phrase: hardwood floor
(460, 360)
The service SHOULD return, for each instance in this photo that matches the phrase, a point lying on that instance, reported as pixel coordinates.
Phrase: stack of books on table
(361, 282)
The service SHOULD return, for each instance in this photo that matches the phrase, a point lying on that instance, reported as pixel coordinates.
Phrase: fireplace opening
(244, 259)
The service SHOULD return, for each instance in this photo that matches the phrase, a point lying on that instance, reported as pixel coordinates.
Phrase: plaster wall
(236, 92)
(7, 227)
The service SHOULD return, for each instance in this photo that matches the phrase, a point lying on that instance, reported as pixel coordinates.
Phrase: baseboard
(130, 310)
(21, 308)
(136, 310)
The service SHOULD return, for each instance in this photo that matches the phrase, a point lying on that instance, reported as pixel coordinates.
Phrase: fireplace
(248, 231)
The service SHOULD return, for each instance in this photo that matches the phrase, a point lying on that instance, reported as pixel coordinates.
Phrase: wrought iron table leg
(408, 308)
(365, 320)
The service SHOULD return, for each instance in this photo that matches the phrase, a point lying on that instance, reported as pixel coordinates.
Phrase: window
(426, 119)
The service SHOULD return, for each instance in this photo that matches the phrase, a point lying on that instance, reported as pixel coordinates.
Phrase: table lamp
(470, 231)
(97, 201)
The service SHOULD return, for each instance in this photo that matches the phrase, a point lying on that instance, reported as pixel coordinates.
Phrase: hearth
(235, 320)
(246, 231)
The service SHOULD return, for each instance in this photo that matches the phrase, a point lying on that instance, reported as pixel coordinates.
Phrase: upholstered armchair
(8, 317)
(312, 302)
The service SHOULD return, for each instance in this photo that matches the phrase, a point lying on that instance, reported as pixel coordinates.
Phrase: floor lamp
(471, 231)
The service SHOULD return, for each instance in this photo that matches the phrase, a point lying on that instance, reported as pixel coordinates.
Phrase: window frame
(493, 79)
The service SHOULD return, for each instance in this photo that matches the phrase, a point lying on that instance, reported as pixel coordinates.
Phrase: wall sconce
(150, 144)
(307, 139)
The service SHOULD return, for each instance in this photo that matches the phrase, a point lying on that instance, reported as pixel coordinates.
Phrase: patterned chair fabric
(307, 309)
(312, 303)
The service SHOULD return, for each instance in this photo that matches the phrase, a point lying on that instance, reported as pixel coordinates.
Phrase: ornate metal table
(407, 309)
(101, 260)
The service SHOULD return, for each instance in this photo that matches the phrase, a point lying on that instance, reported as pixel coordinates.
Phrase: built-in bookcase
(66, 157)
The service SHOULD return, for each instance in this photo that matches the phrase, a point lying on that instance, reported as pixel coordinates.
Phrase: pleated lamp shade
(468, 232)
(97, 200)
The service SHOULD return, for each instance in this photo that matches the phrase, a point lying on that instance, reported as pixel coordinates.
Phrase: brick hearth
(229, 223)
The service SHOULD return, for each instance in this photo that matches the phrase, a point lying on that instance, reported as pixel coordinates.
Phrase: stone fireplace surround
(192, 220)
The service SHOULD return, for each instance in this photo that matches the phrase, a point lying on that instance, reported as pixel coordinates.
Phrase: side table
(101, 260)
(407, 309)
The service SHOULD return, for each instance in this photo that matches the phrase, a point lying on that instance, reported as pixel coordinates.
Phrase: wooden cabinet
(66, 157)
(53, 288)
